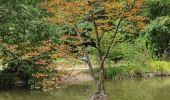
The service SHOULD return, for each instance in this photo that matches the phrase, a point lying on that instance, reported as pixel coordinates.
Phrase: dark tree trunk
(100, 92)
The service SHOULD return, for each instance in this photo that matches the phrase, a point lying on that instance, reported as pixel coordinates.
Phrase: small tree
(104, 16)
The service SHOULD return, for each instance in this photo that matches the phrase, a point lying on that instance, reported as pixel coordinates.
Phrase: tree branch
(102, 36)
(97, 38)
(86, 55)
(113, 38)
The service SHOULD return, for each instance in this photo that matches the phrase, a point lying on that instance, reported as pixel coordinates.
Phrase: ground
(76, 75)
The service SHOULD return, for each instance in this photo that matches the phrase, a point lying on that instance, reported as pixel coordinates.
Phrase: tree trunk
(100, 93)
(98, 96)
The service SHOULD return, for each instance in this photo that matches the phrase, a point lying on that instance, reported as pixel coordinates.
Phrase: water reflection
(144, 89)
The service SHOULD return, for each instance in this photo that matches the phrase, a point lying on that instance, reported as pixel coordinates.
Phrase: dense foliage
(158, 35)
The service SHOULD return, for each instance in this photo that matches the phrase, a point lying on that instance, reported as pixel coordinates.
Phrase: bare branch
(102, 36)
(86, 55)
(68, 77)
(97, 38)
(113, 38)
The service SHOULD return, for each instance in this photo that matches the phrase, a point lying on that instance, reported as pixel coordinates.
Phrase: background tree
(158, 37)
(26, 40)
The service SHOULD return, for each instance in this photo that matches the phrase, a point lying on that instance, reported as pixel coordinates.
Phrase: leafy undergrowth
(162, 66)
(124, 71)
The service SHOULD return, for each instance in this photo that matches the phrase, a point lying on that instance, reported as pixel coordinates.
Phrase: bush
(111, 72)
(161, 66)
(135, 71)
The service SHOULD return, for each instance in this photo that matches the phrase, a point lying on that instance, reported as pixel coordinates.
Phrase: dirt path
(78, 73)
(78, 77)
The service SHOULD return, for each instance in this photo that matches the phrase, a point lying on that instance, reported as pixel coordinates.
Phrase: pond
(131, 89)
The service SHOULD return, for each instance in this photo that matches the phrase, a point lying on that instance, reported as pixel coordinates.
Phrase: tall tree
(104, 16)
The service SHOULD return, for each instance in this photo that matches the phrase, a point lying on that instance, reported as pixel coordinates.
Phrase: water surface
(141, 89)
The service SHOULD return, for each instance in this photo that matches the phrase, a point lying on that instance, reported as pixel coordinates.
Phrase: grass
(135, 70)
(125, 68)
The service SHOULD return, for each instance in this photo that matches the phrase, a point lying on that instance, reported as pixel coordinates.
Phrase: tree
(158, 37)
(157, 31)
(104, 16)
(157, 8)
(26, 42)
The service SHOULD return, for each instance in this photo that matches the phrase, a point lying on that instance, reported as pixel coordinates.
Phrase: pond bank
(79, 76)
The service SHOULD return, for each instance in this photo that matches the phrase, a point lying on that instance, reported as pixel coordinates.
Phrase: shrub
(161, 66)
(111, 72)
